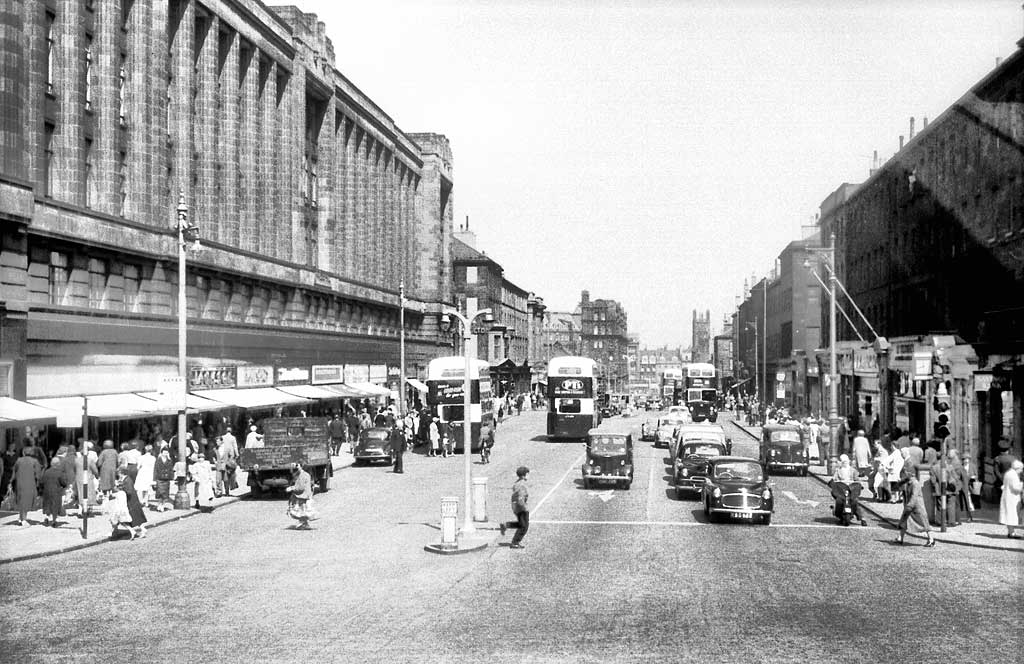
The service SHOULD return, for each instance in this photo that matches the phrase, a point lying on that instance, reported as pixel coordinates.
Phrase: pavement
(984, 531)
(37, 541)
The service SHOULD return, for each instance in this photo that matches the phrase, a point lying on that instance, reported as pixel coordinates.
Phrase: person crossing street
(520, 507)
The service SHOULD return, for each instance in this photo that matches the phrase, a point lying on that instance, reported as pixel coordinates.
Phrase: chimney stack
(901, 141)
(911, 129)
(924, 123)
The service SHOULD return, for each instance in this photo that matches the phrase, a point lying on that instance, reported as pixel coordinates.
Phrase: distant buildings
(605, 339)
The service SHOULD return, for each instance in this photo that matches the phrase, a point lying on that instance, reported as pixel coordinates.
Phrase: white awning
(13, 411)
(345, 391)
(309, 391)
(256, 397)
(419, 385)
(125, 406)
(193, 403)
(370, 388)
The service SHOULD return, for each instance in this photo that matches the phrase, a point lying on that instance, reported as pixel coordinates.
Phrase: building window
(122, 78)
(132, 288)
(97, 283)
(88, 72)
(50, 52)
(48, 164)
(90, 184)
(471, 275)
(59, 278)
(122, 181)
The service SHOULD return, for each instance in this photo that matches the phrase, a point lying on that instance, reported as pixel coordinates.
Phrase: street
(606, 575)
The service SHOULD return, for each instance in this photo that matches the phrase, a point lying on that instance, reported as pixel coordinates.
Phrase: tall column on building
(204, 199)
(248, 136)
(227, 139)
(14, 101)
(69, 90)
(183, 112)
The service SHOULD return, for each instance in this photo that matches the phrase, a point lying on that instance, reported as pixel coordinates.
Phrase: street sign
(171, 392)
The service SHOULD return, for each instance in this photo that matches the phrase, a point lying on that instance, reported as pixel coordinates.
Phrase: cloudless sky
(659, 153)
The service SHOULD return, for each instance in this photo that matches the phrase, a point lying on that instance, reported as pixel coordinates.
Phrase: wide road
(607, 575)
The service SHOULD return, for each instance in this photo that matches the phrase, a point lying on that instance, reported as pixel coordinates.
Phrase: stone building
(311, 204)
(605, 339)
(700, 348)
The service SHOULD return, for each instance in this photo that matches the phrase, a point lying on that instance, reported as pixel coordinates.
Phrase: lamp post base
(181, 498)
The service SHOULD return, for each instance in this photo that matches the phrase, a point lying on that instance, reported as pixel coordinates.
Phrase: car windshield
(739, 470)
(706, 437)
(785, 437)
(703, 450)
(607, 445)
(375, 436)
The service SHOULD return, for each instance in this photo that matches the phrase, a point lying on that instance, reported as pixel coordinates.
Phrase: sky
(659, 153)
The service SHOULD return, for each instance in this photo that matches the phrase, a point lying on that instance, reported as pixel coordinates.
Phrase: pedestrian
(227, 464)
(1002, 463)
(300, 503)
(54, 482)
(520, 508)
(948, 486)
(107, 464)
(913, 507)
(144, 479)
(117, 512)
(961, 478)
(847, 474)
(892, 468)
(435, 437)
(202, 475)
(138, 517)
(861, 453)
(1010, 499)
(397, 448)
(130, 459)
(163, 473)
(336, 430)
(7, 461)
(26, 479)
(253, 439)
(85, 462)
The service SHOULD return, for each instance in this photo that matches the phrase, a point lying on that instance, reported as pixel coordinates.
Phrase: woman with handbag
(26, 478)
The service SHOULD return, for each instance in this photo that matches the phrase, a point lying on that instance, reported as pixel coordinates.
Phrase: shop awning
(418, 384)
(13, 411)
(193, 403)
(125, 406)
(256, 397)
(345, 391)
(308, 391)
(370, 388)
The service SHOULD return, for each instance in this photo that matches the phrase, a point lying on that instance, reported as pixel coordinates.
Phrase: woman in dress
(202, 474)
(27, 475)
(1010, 500)
(144, 477)
(107, 464)
(300, 503)
(893, 467)
(435, 438)
(126, 483)
(913, 507)
(55, 482)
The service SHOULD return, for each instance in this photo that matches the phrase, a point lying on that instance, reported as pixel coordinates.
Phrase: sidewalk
(37, 540)
(985, 531)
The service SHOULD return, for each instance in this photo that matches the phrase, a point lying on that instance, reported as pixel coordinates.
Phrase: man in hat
(520, 507)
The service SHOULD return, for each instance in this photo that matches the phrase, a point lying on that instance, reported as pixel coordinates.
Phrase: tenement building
(605, 339)
(121, 119)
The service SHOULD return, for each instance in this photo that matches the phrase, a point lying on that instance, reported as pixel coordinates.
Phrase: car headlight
(717, 493)
(686, 472)
(255, 467)
(766, 494)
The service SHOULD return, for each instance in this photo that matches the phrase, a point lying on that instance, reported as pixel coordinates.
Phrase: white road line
(650, 490)
(574, 464)
(675, 523)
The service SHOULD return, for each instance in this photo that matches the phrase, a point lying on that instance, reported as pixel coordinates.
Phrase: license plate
(742, 515)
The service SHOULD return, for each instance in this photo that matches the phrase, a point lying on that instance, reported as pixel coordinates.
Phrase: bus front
(571, 407)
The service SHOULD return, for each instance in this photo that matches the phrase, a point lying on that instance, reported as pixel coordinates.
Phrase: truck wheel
(586, 483)
(627, 484)
(325, 483)
(255, 490)
(767, 519)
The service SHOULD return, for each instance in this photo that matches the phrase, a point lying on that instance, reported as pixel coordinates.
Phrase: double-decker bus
(702, 391)
(446, 393)
(671, 387)
(571, 412)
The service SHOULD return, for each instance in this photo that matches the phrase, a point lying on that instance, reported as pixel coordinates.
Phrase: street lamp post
(467, 436)
(757, 365)
(401, 348)
(187, 233)
(833, 372)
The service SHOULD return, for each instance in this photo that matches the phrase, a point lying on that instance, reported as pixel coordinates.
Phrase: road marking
(603, 495)
(792, 496)
(553, 522)
(572, 466)
(650, 489)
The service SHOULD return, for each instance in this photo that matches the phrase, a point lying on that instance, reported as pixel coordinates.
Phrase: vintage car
(648, 431)
(700, 432)
(609, 459)
(682, 411)
(784, 447)
(691, 465)
(666, 430)
(374, 444)
(737, 487)
(702, 410)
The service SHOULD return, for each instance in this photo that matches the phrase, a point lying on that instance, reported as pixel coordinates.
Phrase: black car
(609, 459)
(691, 465)
(703, 410)
(737, 487)
(374, 444)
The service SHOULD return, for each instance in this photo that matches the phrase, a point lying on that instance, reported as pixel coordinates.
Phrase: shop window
(48, 162)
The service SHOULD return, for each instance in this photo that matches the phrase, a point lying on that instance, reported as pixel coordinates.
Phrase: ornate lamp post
(188, 233)
(467, 436)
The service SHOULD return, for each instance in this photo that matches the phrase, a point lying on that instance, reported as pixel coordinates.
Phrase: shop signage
(982, 382)
(292, 375)
(922, 365)
(780, 376)
(780, 391)
(844, 362)
(394, 371)
(357, 373)
(452, 392)
(865, 362)
(572, 388)
(255, 376)
(378, 373)
(327, 373)
(171, 392)
(211, 378)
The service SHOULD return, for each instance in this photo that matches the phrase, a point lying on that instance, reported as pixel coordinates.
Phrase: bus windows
(569, 406)
(451, 413)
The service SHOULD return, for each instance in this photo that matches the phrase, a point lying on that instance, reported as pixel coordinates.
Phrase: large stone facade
(312, 205)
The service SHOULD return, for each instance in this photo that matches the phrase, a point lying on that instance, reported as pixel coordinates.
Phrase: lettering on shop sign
(327, 373)
(865, 362)
(292, 375)
(378, 373)
(394, 371)
(211, 378)
(570, 387)
(255, 376)
(844, 362)
(357, 373)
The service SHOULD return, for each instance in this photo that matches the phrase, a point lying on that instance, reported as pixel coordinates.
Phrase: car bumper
(371, 456)
(689, 484)
(618, 475)
(786, 465)
(740, 512)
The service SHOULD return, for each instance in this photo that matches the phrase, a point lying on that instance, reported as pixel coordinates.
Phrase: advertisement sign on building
(256, 376)
(865, 362)
(292, 375)
(327, 373)
(211, 378)
(357, 373)
(378, 373)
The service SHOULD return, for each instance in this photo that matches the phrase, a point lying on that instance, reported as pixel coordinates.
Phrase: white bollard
(479, 499)
(449, 521)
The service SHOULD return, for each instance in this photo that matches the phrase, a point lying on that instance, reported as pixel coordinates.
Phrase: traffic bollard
(480, 499)
(449, 519)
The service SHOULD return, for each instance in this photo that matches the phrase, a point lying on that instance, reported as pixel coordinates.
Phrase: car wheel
(707, 512)
(325, 483)
(679, 494)
(586, 483)
(627, 484)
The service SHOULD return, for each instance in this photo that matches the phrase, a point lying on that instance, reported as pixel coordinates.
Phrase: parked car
(700, 432)
(737, 487)
(666, 432)
(784, 447)
(374, 444)
(609, 459)
(691, 465)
